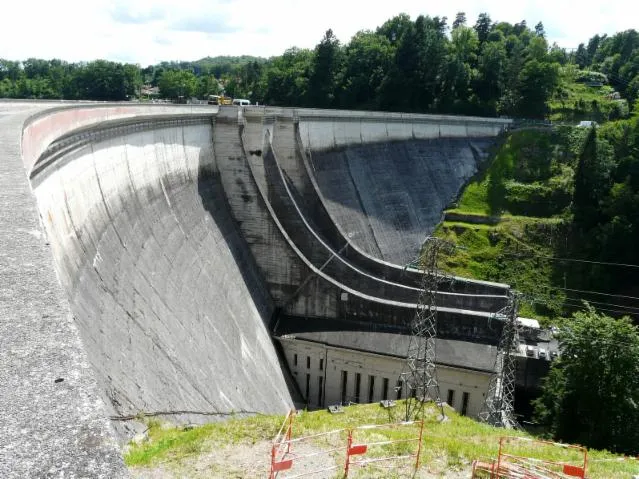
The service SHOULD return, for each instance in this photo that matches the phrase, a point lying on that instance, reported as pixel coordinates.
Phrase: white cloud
(148, 31)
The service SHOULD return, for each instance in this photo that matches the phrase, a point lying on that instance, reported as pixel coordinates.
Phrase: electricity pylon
(498, 409)
(419, 378)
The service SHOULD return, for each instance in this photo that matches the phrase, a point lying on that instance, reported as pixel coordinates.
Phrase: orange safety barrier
(529, 460)
(285, 459)
(360, 449)
(281, 447)
(295, 460)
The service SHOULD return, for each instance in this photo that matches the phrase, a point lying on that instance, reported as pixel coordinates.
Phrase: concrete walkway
(53, 422)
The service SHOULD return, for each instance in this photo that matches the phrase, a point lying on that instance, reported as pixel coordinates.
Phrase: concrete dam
(149, 252)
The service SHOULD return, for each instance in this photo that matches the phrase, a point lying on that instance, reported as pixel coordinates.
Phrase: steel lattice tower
(419, 378)
(498, 409)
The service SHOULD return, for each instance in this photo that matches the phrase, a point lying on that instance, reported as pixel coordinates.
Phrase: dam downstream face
(144, 247)
(179, 234)
(169, 305)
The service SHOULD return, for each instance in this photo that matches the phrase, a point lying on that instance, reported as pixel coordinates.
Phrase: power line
(604, 304)
(555, 258)
(538, 300)
(590, 301)
(596, 292)
(598, 308)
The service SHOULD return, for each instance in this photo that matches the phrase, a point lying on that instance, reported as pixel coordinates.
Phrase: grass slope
(448, 446)
(524, 195)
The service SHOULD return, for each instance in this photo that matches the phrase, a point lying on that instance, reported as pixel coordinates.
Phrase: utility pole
(498, 409)
(419, 378)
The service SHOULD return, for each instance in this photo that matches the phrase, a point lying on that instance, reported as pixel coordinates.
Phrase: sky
(149, 31)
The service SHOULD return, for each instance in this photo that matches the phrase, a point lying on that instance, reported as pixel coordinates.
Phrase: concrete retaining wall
(44, 127)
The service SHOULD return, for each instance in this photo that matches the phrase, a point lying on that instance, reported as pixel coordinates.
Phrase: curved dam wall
(307, 276)
(168, 302)
(340, 232)
(177, 233)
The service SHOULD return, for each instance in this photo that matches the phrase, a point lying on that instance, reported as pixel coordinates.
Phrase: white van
(241, 102)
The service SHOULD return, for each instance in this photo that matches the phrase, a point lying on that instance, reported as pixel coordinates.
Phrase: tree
(177, 83)
(208, 85)
(395, 28)
(419, 60)
(581, 56)
(519, 28)
(367, 61)
(593, 45)
(326, 65)
(460, 71)
(286, 80)
(460, 20)
(106, 81)
(591, 395)
(490, 82)
(539, 30)
(557, 54)
(483, 27)
(591, 182)
(10, 69)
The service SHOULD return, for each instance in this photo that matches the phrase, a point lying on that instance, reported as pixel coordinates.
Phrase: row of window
(320, 389)
(465, 400)
(357, 398)
(398, 391)
(308, 362)
(370, 392)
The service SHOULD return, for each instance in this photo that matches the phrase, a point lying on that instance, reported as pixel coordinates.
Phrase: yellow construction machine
(220, 100)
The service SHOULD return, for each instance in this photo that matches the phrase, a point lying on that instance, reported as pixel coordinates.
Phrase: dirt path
(245, 461)
(250, 461)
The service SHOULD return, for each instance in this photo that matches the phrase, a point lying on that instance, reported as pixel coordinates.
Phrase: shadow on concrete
(214, 201)
(400, 189)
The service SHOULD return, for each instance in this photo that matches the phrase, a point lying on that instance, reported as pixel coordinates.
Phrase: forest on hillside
(422, 65)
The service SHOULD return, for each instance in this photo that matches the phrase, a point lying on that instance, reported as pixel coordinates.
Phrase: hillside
(510, 216)
(525, 221)
(240, 448)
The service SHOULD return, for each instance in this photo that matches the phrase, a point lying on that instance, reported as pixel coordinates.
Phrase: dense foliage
(591, 396)
(56, 79)
(422, 65)
(617, 57)
(562, 192)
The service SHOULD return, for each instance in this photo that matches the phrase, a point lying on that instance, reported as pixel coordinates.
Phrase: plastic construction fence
(370, 446)
(524, 458)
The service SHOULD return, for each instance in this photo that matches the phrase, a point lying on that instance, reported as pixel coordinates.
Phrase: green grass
(527, 175)
(167, 443)
(453, 444)
(575, 102)
(510, 252)
(527, 186)
(475, 199)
